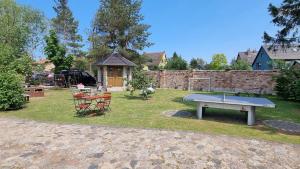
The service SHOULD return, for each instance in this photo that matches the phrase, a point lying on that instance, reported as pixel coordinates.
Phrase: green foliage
(288, 84)
(286, 17)
(67, 27)
(218, 62)
(21, 27)
(9, 61)
(194, 64)
(81, 63)
(280, 64)
(176, 63)
(57, 53)
(140, 81)
(39, 68)
(11, 90)
(117, 25)
(240, 65)
(198, 63)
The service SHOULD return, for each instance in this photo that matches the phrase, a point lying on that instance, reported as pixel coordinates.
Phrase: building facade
(155, 60)
(267, 56)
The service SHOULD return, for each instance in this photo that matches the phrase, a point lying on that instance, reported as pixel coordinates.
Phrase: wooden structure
(35, 91)
(114, 71)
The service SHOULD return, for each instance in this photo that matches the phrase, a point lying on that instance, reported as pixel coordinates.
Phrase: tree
(117, 25)
(57, 53)
(287, 17)
(288, 84)
(176, 63)
(201, 64)
(198, 63)
(66, 27)
(194, 63)
(218, 62)
(81, 63)
(21, 27)
(240, 65)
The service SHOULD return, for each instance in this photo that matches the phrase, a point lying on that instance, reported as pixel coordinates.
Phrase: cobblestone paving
(30, 144)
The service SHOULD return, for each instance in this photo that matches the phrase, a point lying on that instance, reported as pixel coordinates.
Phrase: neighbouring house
(114, 70)
(247, 56)
(266, 55)
(157, 60)
(46, 63)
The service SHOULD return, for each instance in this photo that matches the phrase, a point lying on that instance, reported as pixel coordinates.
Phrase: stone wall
(235, 81)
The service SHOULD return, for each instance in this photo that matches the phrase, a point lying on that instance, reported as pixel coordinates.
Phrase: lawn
(129, 111)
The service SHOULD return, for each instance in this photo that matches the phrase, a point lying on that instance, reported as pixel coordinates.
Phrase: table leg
(251, 116)
(200, 110)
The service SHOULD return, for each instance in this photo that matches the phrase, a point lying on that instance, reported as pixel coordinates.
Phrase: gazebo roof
(115, 59)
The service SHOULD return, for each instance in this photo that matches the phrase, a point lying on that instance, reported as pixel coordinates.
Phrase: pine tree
(66, 27)
(287, 17)
(194, 64)
(176, 63)
(117, 25)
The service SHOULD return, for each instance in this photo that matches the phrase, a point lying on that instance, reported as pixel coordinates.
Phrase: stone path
(284, 126)
(30, 144)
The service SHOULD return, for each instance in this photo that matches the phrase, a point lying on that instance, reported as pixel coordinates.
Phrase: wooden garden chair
(81, 105)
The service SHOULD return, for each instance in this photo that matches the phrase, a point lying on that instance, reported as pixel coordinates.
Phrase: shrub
(11, 91)
(140, 81)
(240, 65)
(288, 84)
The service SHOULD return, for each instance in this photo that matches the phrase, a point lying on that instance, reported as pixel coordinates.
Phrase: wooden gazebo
(114, 70)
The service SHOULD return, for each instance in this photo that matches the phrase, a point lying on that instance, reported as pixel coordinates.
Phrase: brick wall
(238, 81)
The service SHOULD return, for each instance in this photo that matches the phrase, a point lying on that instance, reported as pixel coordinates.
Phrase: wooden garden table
(94, 99)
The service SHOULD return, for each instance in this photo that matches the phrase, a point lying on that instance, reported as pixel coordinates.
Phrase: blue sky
(192, 28)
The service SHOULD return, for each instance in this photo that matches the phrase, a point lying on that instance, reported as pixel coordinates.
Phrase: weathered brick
(238, 81)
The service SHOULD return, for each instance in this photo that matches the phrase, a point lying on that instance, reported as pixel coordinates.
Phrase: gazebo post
(105, 76)
(124, 76)
(99, 74)
(130, 73)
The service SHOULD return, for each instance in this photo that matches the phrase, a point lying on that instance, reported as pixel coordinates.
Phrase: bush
(288, 84)
(140, 81)
(240, 65)
(11, 91)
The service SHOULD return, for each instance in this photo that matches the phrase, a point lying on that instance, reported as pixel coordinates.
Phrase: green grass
(129, 111)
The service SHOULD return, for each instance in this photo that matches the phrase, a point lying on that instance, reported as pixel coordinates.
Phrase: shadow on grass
(135, 97)
(225, 116)
(212, 114)
(91, 113)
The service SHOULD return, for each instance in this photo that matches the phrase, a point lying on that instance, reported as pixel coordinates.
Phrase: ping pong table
(244, 104)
